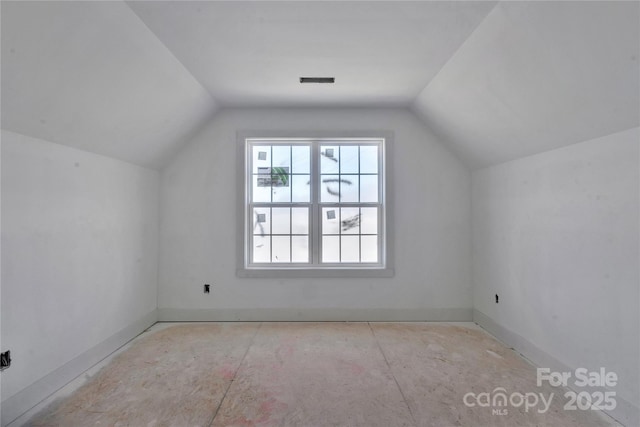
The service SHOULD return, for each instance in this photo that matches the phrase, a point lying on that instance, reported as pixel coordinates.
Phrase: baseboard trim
(625, 412)
(21, 402)
(316, 315)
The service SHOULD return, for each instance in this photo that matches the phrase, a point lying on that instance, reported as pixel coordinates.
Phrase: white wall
(555, 235)
(1, 347)
(79, 261)
(432, 229)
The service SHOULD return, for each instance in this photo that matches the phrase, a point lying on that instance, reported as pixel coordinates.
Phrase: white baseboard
(316, 315)
(21, 402)
(626, 413)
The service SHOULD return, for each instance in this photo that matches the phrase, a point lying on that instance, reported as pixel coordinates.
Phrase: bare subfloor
(314, 374)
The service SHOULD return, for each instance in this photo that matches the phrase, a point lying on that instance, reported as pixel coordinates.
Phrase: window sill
(324, 273)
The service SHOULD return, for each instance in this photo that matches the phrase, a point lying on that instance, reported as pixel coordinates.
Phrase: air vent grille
(317, 79)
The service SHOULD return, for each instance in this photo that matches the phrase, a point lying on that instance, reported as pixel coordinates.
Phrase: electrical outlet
(5, 360)
(206, 289)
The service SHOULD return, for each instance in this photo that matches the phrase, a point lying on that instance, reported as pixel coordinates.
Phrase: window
(314, 206)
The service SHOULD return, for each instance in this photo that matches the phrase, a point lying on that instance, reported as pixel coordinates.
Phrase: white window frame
(384, 268)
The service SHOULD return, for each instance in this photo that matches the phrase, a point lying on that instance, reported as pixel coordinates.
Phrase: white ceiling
(135, 80)
(92, 76)
(253, 53)
(538, 76)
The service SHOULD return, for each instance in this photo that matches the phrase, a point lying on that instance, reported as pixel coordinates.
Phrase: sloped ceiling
(538, 76)
(497, 81)
(91, 75)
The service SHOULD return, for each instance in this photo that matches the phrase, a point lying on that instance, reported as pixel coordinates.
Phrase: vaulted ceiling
(497, 81)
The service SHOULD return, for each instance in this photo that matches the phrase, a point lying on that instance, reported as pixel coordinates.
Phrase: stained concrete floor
(311, 374)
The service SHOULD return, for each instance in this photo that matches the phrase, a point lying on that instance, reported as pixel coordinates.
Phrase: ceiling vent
(317, 79)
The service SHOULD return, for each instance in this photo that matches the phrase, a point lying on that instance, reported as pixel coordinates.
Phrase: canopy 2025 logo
(499, 400)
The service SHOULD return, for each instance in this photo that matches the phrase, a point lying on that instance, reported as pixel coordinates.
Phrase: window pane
(330, 221)
(350, 250)
(300, 221)
(300, 188)
(369, 159)
(300, 249)
(261, 221)
(369, 221)
(280, 221)
(280, 249)
(349, 188)
(369, 188)
(330, 189)
(350, 221)
(261, 157)
(331, 249)
(329, 158)
(261, 249)
(369, 248)
(261, 193)
(301, 156)
(281, 156)
(281, 189)
(349, 159)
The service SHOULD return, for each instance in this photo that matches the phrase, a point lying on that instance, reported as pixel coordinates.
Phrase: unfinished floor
(311, 374)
